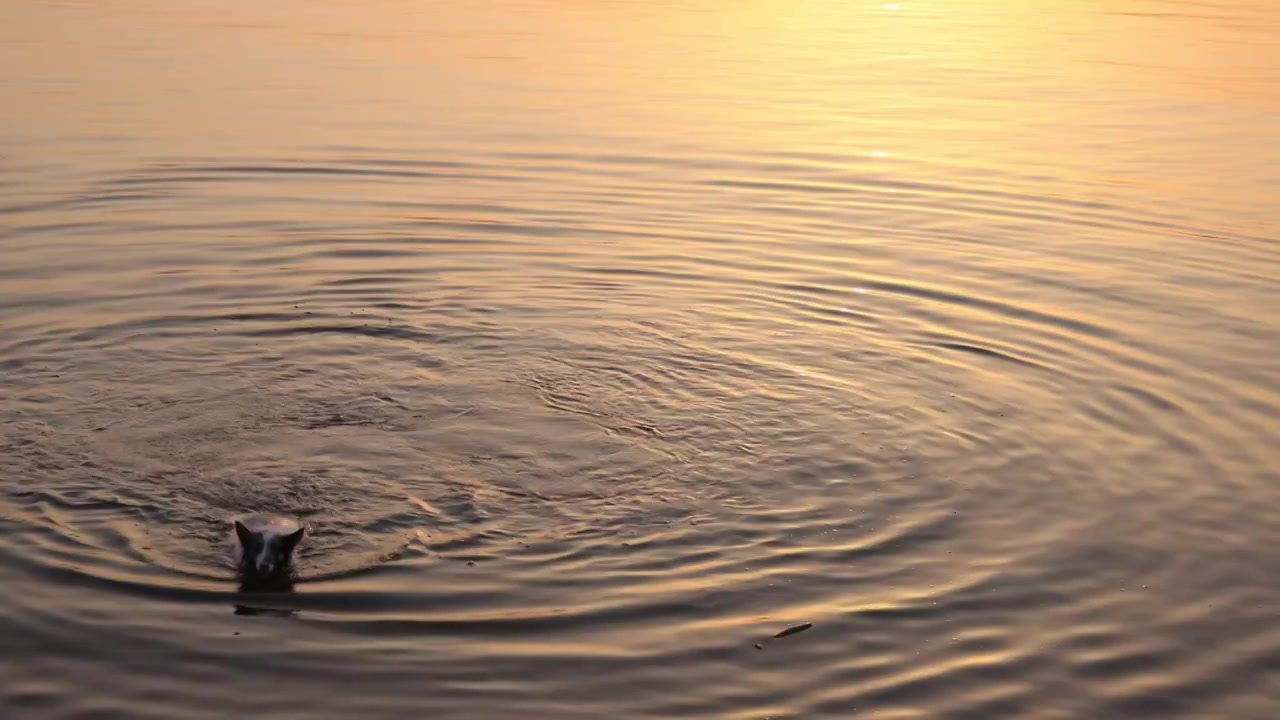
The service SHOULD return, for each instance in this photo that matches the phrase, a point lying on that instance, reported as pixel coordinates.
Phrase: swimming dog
(266, 545)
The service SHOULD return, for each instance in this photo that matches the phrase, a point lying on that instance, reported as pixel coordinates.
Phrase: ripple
(580, 423)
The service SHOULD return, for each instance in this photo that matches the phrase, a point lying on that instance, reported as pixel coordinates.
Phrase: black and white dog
(265, 549)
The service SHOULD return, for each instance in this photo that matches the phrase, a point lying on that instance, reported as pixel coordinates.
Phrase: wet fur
(266, 555)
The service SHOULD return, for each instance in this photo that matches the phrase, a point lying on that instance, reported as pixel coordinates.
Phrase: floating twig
(794, 629)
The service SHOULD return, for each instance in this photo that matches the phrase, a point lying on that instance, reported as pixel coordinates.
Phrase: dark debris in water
(793, 630)
(339, 420)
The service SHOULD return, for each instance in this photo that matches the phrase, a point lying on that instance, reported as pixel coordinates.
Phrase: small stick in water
(794, 629)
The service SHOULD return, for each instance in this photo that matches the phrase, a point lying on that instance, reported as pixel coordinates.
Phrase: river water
(598, 342)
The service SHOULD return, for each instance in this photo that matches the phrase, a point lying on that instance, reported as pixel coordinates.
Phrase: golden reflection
(1077, 87)
(915, 301)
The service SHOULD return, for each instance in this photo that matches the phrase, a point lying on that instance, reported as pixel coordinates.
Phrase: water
(599, 342)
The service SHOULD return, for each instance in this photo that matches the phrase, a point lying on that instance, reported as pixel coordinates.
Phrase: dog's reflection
(256, 589)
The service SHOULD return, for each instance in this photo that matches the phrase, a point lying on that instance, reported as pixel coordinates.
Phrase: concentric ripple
(589, 384)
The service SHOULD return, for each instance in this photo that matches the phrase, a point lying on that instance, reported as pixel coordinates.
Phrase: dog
(266, 545)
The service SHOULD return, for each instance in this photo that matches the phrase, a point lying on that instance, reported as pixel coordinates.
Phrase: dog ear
(290, 541)
(244, 533)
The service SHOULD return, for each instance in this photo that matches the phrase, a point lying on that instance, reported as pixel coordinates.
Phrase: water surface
(598, 342)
